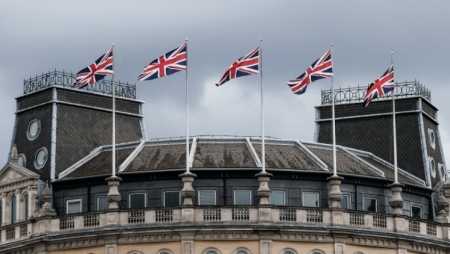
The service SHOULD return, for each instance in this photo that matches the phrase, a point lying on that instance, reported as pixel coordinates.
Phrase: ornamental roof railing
(66, 79)
(356, 94)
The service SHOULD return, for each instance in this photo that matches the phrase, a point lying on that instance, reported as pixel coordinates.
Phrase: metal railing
(66, 79)
(356, 94)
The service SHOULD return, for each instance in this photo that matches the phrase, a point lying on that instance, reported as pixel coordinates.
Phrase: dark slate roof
(223, 155)
(287, 156)
(235, 153)
(101, 163)
(344, 163)
(157, 157)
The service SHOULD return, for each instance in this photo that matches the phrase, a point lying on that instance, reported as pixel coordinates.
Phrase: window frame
(349, 202)
(13, 209)
(30, 136)
(284, 197)
(250, 196)
(199, 194)
(98, 202)
(370, 197)
(38, 165)
(73, 201)
(137, 193)
(25, 204)
(417, 206)
(164, 197)
(310, 192)
(432, 165)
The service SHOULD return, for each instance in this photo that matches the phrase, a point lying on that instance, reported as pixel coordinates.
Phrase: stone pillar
(335, 195)
(263, 192)
(396, 202)
(442, 206)
(47, 209)
(3, 211)
(19, 205)
(113, 194)
(187, 195)
(447, 194)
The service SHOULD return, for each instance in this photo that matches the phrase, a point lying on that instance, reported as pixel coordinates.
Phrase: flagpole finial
(331, 44)
(186, 39)
(392, 53)
(260, 39)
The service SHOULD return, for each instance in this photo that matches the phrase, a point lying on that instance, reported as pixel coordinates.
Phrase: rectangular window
(277, 198)
(242, 197)
(73, 206)
(345, 202)
(207, 197)
(102, 203)
(171, 198)
(416, 211)
(369, 204)
(137, 200)
(311, 199)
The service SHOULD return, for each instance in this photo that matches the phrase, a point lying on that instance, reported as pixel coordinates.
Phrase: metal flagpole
(113, 119)
(332, 116)
(187, 113)
(393, 124)
(263, 155)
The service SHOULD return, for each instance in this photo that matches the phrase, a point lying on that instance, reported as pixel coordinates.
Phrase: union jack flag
(321, 68)
(95, 71)
(246, 65)
(380, 86)
(174, 61)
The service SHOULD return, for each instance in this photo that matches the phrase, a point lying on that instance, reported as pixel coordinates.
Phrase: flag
(380, 86)
(174, 61)
(95, 71)
(247, 65)
(321, 68)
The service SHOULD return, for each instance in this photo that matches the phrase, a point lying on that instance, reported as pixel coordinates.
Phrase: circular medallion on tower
(432, 167)
(431, 138)
(22, 160)
(41, 158)
(34, 128)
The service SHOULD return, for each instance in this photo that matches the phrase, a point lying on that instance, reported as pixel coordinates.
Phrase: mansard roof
(219, 153)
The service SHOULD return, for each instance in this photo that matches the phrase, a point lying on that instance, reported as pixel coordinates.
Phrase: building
(55, 198)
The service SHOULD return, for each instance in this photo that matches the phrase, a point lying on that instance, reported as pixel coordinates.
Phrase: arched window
(211, 251)
(25, 207)
(164, 251)
(1, 214)
(135, 252)
(242, 251)
(317, 251)
(12, 205)
(288, 251)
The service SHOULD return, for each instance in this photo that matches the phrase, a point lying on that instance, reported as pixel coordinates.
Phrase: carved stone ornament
(113, 196)
(396, 202)
(335, 195)
(187, 193)
(14, 154)
(263, 191)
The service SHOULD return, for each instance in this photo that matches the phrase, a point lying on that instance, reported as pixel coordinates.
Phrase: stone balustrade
(292, 216)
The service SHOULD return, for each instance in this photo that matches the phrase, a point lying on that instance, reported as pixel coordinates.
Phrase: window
(242, 252)
(22, 160)
(207, 197)
(25, 207)
(345, 202)
(171, 198)
(369, 204)
(1, 213)
(242, 197)
(102, 203)
(288, 251)
(432, 167)
(416, 211)
(431, 138)
(277, 198)
(41, 158)
(73, 206)
(137, 200)
(211, 251)
(34, 128)
(13, 210)
(317, 252)
(442, 171)
(310, 199)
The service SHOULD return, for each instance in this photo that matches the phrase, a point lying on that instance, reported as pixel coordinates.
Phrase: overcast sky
(38, 36)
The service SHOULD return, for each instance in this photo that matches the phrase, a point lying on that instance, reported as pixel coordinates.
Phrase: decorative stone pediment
(13, 176)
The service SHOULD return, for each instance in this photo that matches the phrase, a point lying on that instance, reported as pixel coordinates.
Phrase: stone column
(335, 195)
(187, 195)
(3, 211)
(396, 202)
(113, 194)
(263, 192)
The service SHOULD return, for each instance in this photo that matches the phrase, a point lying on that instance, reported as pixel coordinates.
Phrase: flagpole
(333, 118)
(187, 113)
(393, 124)
(113, 119)
(263, 155)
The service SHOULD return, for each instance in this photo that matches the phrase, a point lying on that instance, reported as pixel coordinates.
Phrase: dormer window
(34, 128)
(41, 158)
(431, 138)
